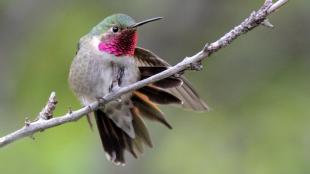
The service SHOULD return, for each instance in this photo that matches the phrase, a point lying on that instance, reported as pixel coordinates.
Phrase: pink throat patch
(123, 44)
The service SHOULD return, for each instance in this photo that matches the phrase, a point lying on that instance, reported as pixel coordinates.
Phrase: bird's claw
(119, 100)
(101, 102)
(197, 66)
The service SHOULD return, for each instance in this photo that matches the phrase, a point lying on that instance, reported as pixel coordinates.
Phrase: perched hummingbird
(108, 58)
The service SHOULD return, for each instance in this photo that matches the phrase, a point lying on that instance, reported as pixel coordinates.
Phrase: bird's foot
(197, 66)
(114, 86)
(101, 102)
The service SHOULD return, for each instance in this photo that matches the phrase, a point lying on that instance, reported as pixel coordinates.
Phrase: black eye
(115, 29)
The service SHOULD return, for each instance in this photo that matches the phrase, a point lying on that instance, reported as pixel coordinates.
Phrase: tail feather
(111, 137)
(115, 141)
(130, 146)
(148, 109)
(138, 145)
(140, 128)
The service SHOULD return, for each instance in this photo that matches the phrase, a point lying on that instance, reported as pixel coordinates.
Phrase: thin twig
(189, 63)
(47, 111)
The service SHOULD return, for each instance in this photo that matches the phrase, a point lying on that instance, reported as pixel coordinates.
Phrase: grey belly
(92, 78)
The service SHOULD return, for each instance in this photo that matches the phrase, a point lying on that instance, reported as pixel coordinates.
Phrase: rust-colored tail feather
(147, 109)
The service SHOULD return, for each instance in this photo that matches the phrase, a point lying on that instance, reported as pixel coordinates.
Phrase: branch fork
(47, 111)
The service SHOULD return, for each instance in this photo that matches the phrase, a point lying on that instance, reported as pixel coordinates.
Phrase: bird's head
(117, 34)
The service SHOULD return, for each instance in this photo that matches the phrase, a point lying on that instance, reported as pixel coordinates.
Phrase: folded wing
(150, 64)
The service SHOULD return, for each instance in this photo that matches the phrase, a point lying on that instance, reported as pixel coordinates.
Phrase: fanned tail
(115, 141)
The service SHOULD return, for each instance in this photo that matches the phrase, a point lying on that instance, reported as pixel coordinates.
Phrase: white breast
(100, 74)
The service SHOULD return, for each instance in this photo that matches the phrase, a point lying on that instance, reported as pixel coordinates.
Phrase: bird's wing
(184, 91)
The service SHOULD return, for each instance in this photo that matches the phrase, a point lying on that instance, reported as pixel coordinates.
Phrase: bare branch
(47, 111)
(276, 6)
(46, 121)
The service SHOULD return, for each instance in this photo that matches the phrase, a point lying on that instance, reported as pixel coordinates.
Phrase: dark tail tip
(115, 141)
(112, 138)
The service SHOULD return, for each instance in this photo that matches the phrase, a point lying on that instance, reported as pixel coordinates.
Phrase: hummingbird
(108, 58)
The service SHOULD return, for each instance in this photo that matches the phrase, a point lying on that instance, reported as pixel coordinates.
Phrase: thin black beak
(144, 22)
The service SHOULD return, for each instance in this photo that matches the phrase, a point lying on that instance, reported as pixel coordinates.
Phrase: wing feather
(185, 92)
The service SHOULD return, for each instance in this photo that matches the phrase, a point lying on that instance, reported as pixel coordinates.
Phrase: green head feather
(121, 20)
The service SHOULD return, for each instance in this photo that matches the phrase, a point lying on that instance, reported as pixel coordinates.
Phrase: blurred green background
(258, 88)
